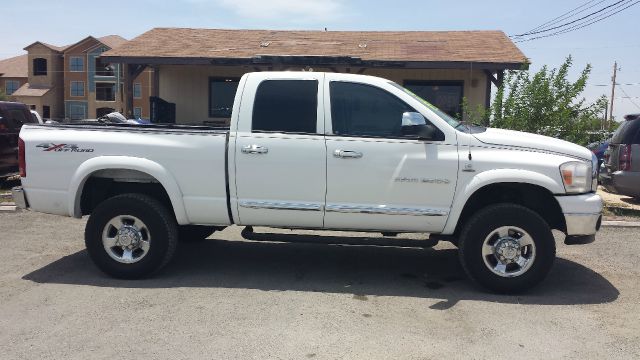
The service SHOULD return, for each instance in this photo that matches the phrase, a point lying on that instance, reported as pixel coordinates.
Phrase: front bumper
(582, 213)
(18, 197)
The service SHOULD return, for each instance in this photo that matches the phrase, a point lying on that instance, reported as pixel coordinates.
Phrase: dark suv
(12, 117)
(620, 172)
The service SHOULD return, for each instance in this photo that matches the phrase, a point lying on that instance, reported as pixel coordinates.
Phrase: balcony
(105, 92)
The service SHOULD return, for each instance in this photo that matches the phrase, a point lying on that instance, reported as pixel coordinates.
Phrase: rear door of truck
(279, 151)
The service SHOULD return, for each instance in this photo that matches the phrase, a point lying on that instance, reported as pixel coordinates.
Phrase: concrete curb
(8, 207)
(613, 223)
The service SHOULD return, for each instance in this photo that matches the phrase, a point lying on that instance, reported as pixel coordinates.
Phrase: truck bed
(189, 161)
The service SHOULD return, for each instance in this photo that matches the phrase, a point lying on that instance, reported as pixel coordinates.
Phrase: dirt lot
(231, 299)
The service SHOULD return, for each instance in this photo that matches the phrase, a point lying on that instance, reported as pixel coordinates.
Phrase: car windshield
(446, 117)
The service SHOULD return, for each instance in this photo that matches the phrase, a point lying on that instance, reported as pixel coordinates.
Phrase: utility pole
(613, 93)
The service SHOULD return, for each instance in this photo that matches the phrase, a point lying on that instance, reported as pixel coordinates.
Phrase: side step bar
(248, 234)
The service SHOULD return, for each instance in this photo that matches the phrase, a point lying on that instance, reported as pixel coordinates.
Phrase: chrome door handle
(254, 149)
(347, 154)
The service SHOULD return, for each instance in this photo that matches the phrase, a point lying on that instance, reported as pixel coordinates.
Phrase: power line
(582, 25)
(570, 22)
(563, 17)
(627, 96)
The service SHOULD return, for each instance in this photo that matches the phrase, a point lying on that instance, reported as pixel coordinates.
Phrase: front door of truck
(378, 179)
(280, 162)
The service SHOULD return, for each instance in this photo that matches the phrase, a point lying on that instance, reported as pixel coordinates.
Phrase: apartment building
(73, 82)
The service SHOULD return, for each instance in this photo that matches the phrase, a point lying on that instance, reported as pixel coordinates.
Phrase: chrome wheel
(126, 239)
(508, 251)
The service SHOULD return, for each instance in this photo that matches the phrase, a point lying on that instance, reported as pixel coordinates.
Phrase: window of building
(103, 68)
(76, 112)
(77, 88)
(289, 106)
(445, 95)
(10, 86)
(76, 64)
(46, 112)
(221, 94)
(364, 110)
(39, 66)
(137, 112)
(137, 91)
(105, 92)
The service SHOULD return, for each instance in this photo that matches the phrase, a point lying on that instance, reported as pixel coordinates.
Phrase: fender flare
(151, 168)
(497, 176)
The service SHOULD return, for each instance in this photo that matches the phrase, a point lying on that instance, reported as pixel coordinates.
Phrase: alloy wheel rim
(508, 251)
(126, 239)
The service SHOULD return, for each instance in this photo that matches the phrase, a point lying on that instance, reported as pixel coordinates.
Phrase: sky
(614, 39)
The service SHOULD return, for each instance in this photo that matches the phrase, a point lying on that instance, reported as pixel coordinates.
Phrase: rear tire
(195, 233)
(507, 248)
(131, 236)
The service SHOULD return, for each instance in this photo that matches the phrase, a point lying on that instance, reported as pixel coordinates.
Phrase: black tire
(483, 223)
(195, 233)
(162, 228)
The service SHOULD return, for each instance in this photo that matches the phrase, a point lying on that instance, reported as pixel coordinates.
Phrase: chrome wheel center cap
(507, 250)
(129, 237)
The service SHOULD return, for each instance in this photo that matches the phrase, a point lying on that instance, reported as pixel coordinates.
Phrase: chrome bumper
(18, 197)
(582, 213)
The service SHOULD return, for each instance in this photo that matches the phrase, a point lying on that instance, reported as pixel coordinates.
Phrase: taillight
(21, 161)
(624, 160)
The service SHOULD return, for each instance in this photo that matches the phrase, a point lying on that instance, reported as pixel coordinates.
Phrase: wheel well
(104, 184)
(530, 196)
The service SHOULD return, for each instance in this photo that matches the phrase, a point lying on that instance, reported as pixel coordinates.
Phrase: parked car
(621, 171)
(317, 151)
(12, 116)
(599, 148)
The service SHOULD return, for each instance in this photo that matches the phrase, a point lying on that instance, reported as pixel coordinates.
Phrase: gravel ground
(231, 299)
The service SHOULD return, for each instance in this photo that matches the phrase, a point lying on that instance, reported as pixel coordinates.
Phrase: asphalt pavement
(297, 297)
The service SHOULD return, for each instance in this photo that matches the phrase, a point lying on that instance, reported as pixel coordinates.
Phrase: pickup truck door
(378, 179)
(280, 154)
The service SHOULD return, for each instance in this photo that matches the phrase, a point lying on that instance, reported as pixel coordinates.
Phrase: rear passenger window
(289, 106)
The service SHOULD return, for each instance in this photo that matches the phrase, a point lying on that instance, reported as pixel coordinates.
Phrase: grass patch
(620, 211)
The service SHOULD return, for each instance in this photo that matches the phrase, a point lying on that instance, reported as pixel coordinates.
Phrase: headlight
(576, 176)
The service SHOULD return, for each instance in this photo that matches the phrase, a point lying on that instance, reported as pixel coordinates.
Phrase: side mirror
(415, 125)
(413, 119)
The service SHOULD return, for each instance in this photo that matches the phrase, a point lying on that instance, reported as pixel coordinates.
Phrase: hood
(532, 141)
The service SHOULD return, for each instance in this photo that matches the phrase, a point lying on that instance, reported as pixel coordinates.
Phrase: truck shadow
(364, 271)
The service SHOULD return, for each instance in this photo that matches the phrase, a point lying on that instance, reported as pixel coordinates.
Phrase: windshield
(446, 117)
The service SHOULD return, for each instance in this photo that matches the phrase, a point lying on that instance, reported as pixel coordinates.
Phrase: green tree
(547, 103)
(3, 96)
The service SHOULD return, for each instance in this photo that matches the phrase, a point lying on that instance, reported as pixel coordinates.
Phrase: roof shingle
(17, 66)
(419, 46)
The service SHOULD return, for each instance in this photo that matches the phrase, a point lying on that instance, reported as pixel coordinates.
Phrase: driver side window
(364, 110)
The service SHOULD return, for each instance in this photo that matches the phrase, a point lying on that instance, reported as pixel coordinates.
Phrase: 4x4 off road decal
(62, 148)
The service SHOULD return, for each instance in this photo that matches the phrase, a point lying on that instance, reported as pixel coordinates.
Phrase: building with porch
(197, 70)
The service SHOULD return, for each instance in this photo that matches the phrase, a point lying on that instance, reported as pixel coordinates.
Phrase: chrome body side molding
(384, 210)
(280, 205)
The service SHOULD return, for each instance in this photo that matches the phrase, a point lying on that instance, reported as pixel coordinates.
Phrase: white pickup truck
(317, 151)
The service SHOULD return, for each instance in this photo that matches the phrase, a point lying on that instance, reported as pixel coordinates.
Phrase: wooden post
(132, 72)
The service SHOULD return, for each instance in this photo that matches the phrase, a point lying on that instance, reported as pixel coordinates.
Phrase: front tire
(131, 236)
(507, 248)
